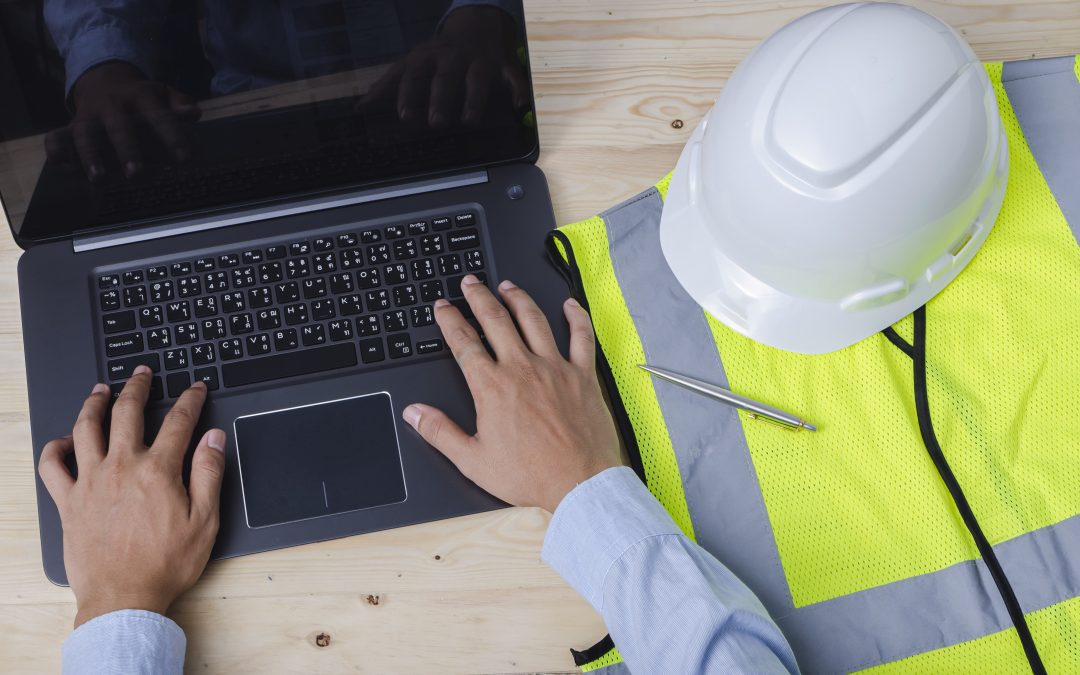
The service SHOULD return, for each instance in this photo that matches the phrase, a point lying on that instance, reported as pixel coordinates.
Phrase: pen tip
(809, 427)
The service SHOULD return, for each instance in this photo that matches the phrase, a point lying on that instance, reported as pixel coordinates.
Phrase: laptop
(270, 197)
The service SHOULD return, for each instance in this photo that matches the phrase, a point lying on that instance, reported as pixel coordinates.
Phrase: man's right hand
(542, 424)
(112, 102)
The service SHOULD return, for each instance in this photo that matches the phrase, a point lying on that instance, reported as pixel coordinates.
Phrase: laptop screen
(115, 113)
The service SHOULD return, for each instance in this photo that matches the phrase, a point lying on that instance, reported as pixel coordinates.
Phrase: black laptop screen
(120, 112)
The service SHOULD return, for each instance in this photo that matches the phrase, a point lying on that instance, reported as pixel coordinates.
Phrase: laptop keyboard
(347, 298)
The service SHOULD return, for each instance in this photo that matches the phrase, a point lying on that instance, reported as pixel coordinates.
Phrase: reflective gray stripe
(1046, 99)
(726, 505)
(856, 631)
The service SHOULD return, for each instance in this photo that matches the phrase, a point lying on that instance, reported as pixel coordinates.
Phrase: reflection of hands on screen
(451, 78)
(114, 103)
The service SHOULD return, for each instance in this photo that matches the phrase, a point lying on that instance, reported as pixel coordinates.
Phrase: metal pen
(755, 408)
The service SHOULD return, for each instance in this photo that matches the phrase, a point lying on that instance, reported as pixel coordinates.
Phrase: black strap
(922, 408)
(592, 653)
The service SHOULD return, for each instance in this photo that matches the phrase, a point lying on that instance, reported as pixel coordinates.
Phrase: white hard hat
(852, 167)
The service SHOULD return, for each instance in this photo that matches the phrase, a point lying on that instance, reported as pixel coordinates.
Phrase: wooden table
(620, 85)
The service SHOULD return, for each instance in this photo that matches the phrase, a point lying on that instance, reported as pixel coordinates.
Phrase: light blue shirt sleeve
(131, 641)
(669, 605)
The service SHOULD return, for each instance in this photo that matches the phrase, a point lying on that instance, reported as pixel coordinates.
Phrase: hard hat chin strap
(917, 353)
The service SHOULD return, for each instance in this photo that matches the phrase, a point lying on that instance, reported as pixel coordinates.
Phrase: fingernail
(141, 370)
(411, 415)
(469, 280)
(442, 302)
(507, 285)
(199, 384)
(100, 389)
(215, 438)
(573, 303)
(95, 171)
(132, 168)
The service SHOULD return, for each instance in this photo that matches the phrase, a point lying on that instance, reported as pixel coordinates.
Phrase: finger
(582, 337)
(126, 434)
(531, 322)
(385, 87)
(445, 89)
(54, 473)
(442, 433)
(499, 328)
(175, 435)
(87, 137)
(463, 340)
(477, 90)
(89, 431)
(412, 91)
(184, 106)
(121, 133)
(59, 146)
(207, 470)
(164, 123)
(515, 78)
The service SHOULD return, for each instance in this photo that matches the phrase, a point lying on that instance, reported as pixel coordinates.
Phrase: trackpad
(318, 460)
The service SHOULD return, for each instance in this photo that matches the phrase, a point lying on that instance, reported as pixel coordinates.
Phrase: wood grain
(468, 595)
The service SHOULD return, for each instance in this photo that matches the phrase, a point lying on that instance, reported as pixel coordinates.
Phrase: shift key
(120, 345)
(122, 369)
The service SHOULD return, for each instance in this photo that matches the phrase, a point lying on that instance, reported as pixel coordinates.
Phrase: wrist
(95, 607)
(556, 498)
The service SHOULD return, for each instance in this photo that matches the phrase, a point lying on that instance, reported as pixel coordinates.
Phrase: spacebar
(289, 365)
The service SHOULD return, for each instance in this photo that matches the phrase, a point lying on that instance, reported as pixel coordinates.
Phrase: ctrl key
(156, 391)
(178, 383)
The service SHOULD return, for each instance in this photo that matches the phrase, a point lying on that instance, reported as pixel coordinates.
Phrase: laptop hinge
(201, 223)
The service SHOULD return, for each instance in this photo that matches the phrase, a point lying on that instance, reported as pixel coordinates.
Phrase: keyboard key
(422, 269)
(341, 283)
(450, 265)
(260, 297)
(156, 392)
(367, 325)
(187, 333)
(431, 244)
(474, 260)
(162, 291)
(464, 308)
(213, 329)
(228, 260)
(350, 305)
(430, 291)
(180, 269)
(178, 311)
(323, 244)
(108, 281)
(399, 346)
(370, 236)
(244, 277)
(395, 321)
(313, 288)
(268, 319)
(395, 274)
(422, 316)
(459, 241)
(340, 330)
(159, 273)
(371, 351)
(405, 250)
(296, 314)
(367, 279)
(257, 345)
(287, 292)
(240, 324)
(300, 248)
(188, 286)
(110, 300)
(323, 263)
(233, 302)
(176, 359)
(378, 254)
(441, 223)
(150, 317)
(135, 296)
(351, 259)
(347, 240)
(296, 268)
(395, 232)
(216, 282)
(313, 335)
(252, 257)
(158, 338)
(429, 347)
(205, 306)
(204, 264)
(322, 310)
(465, 219)
(276, 252)
(133, 277)
(284, 340)
(404, 296)
(418, 227)
(202, 355)
(306, 362)
(118, 322)
(270, 273)
(122, 345)
(208, 376)
(454, 284)
(231, 349)
(377, 300)
(122, 369)
(178, 383)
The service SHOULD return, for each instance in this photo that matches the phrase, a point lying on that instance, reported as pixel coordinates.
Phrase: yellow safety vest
(849, 535)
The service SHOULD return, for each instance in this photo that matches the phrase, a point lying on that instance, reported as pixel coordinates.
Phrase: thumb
(441, 432)
(207, 469)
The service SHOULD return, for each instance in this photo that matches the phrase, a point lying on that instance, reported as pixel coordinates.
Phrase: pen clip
(778, 423)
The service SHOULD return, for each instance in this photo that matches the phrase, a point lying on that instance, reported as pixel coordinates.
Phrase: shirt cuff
(127, 641)
(596, 524)
(101, 45)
